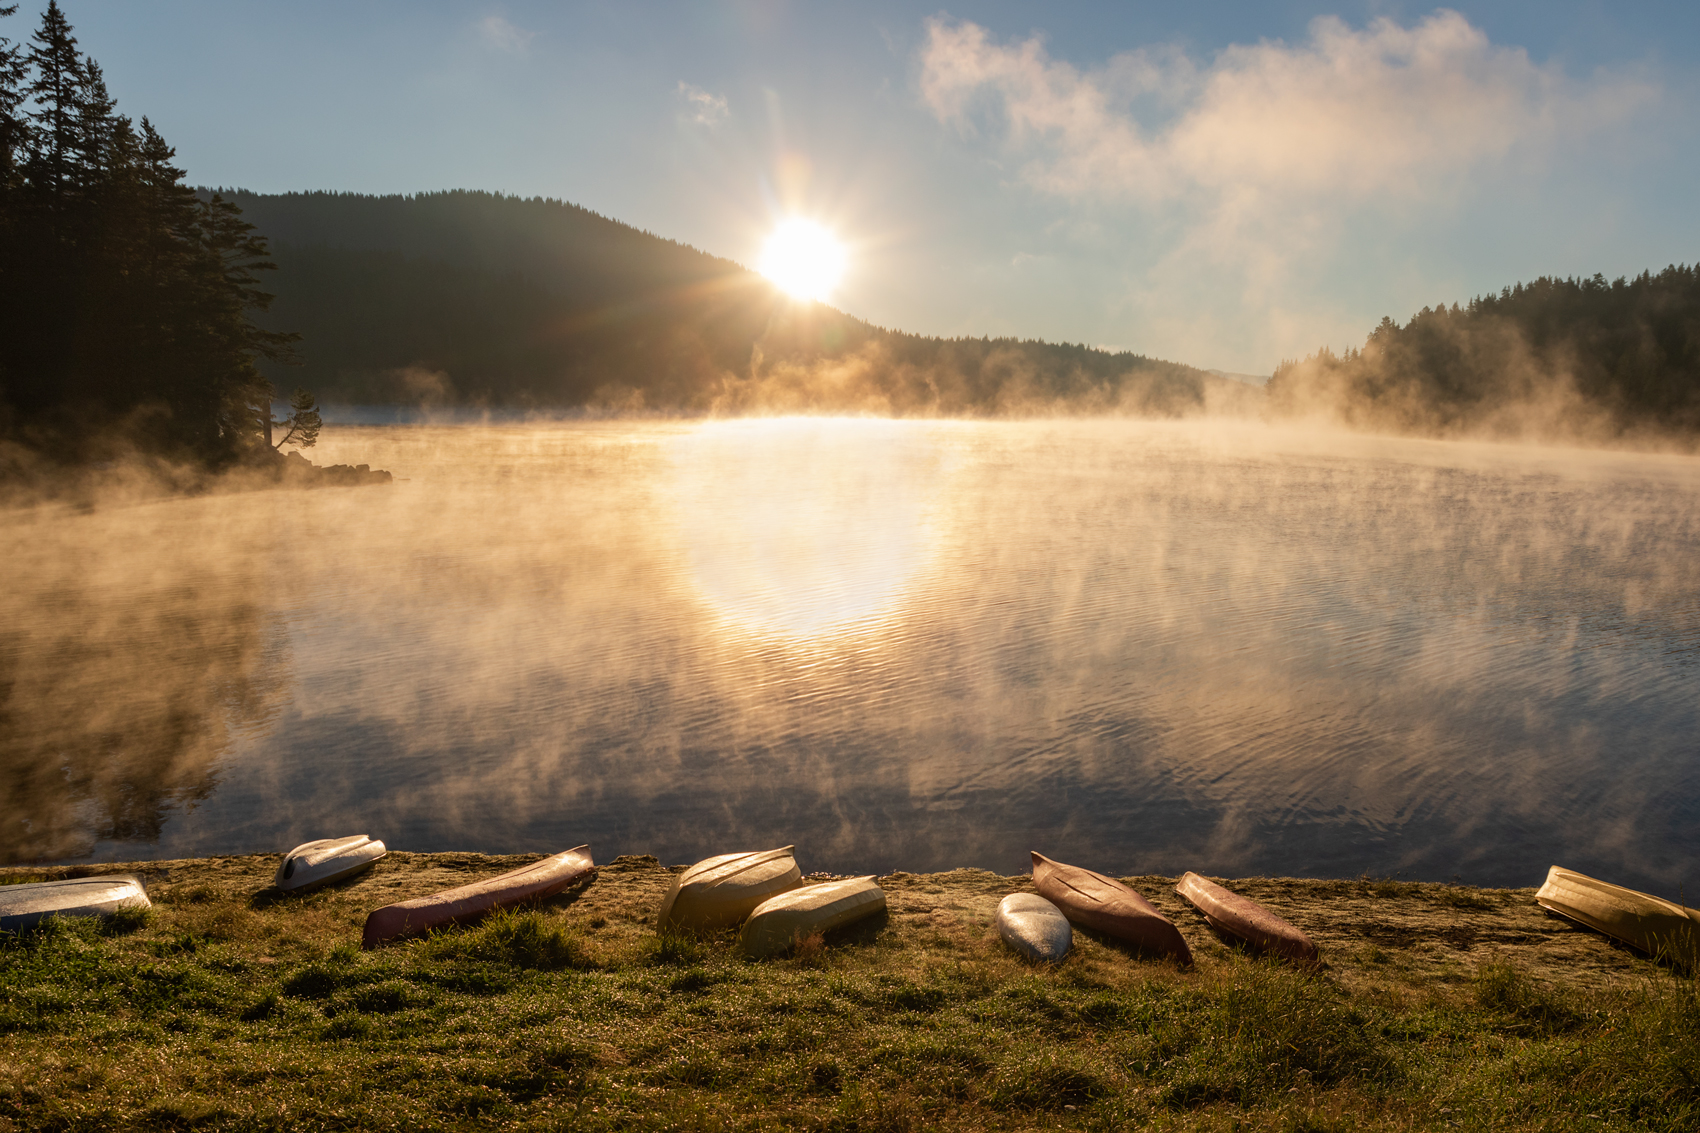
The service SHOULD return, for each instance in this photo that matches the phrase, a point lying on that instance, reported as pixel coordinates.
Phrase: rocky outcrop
(296, 471)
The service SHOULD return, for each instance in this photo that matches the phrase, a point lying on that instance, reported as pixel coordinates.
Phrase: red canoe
(1105, 905)
(1246, 919)
(534, 882)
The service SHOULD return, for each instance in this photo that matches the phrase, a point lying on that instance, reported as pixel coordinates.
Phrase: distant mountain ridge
(461, 297)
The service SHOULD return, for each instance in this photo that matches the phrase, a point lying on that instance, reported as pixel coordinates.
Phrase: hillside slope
(476, 298)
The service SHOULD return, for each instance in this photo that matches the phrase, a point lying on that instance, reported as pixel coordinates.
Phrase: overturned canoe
(27, 905)
(1658, 927)
(1105, 905)
(1034, 927)
(1246, 919)
(535, 882)
(328, 860)
(719, 892)
(778, 923)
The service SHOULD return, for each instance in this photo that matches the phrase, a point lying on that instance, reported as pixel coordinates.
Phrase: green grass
(228, 1007)
(548, 1020)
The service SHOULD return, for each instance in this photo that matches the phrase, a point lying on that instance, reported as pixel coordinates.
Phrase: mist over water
(899, 644)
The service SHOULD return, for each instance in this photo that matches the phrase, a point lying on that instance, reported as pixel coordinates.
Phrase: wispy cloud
(1260, 153)
(703, 108)
(1351, 113)
(504, 35)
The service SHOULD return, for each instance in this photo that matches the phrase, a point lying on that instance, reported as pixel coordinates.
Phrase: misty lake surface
(897, 644)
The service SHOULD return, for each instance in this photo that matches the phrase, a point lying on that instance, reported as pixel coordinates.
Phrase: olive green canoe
(1660, 928)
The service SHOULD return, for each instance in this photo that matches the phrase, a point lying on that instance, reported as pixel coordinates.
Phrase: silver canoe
(1034, 927)
(313, 864)
(25, 906)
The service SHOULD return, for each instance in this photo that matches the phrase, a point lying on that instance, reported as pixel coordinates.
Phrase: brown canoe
(535, 882)
(1105, 905)
(1246, 919)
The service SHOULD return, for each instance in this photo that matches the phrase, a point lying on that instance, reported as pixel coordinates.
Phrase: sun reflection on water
(805, 525)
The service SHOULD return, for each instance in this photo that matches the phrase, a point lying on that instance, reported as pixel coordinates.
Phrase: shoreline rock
(296, 471)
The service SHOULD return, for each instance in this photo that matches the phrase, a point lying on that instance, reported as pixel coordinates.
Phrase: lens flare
(803, 259)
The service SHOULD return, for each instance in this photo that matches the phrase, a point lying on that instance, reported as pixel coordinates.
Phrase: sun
(803, 259)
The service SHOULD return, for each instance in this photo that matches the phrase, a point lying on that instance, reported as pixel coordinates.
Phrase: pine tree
(124, 297)
(14, 131)
(58, 92)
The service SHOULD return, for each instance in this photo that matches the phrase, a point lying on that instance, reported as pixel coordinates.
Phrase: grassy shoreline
(1438, 1007)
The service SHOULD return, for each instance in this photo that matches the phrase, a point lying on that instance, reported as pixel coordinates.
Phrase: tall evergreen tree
(14, 132)
(124, 298)
(58, 92)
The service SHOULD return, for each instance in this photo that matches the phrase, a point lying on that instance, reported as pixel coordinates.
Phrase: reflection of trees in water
(116, 708)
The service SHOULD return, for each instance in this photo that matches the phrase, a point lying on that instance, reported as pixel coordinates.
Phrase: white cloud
(504, 35)
(1350, 113)
(1256, 160)
(703, 108)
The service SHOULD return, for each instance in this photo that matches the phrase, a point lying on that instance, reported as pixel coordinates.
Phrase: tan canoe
(1105, 905)
(536, 882)
(719, 892)
(1657, 927)
(778, 923)
(1246, 919)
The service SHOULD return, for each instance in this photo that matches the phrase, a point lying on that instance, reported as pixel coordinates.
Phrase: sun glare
(803, 259)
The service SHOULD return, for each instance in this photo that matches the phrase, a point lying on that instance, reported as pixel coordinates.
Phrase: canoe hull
(1242, 917)
(26, 906)
(1034, 927)
(1657, 927)
(719, 892)
(778, 923)
(1105, 905)
(314, 864)
(536, 882)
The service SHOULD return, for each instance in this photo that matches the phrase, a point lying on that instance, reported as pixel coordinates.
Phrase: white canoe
(780, 922)
(719, 892)
(313, 864)
(1658, 927)
(25, 906)
(1034, 927)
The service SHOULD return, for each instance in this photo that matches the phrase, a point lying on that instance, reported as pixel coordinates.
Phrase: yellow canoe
(1657, 927)
(719, 892)
(780, 922)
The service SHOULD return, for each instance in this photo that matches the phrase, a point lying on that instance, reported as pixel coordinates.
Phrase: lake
(1139, 646)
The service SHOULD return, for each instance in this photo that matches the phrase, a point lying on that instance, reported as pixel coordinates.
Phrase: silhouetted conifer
(124, 297)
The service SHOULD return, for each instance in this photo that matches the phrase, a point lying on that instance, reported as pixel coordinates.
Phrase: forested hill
(1581, 359)
(479, 298)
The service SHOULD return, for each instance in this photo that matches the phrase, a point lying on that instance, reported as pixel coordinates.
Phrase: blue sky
(1226, 185)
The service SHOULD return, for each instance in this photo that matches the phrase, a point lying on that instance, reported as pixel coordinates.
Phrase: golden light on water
(804, 259)
(804, 525)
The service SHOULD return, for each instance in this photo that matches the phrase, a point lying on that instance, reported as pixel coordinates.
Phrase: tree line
(126, 299)
(1576, 356)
